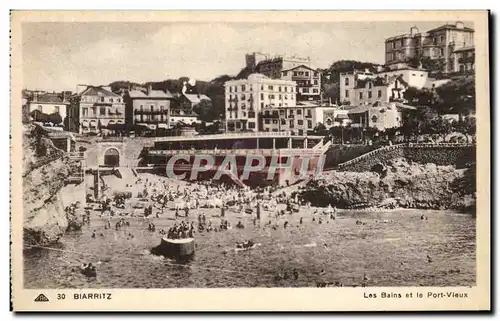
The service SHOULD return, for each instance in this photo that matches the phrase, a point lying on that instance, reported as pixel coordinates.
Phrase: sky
(59, 55)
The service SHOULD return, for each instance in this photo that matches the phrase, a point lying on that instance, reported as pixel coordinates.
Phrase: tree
(458, 96)
(205, 111)
(55, 118)
(420, 97)
(466, 126)
(320, 130)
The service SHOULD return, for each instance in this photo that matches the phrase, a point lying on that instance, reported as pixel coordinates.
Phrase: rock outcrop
(45, 169)
(406, 185)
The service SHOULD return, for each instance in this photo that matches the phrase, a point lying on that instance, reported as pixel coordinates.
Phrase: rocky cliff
(45, 169)
(403, 184)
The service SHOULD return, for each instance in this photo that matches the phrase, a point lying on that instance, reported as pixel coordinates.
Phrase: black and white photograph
(251, 154)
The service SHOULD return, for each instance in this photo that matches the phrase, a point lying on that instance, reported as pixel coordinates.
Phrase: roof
(182, 113)
(451, 27)
(379, 81)
(97, 91)
(467, 48)
(195, 98)
(152, 94)
(300, 66)
(50, 98)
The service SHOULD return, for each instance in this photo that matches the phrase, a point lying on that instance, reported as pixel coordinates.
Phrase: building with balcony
(148, 108)
(297, 120)
(437, 44)
(307, 79)
(246, 98)
(464, 60)
(95, 109)
(358, 88)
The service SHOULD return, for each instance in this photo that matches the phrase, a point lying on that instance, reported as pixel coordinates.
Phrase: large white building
(246, 98)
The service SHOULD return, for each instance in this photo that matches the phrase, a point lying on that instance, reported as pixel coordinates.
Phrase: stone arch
(111, 157)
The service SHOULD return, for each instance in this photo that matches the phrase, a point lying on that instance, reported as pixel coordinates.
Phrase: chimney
(413, 31)
(459, 25)
(149, 89)
(35, 96)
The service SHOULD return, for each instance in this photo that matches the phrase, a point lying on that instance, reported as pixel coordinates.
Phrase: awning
(162, 126)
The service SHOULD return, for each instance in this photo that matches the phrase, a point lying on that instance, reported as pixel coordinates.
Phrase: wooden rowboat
(175, 248)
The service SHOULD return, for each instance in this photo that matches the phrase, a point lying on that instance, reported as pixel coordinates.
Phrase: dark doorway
(112, 158)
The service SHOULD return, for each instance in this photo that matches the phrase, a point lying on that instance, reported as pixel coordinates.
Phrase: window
(102, 110)
(279, 97)
(299, 112)
(230, 89)
(291, 123)
(262, 96)
(279, 88)
(434, 40)
(243, 97)
(292, 97)
(441, 52)
(307, 73)
(300, 122)
(283, 121)
(347, 94)
(393, 45)
(282, 112)
(151, 107)
(309, 114)
(238, 125)
(369, 94)
(402, 43)
(413, 74)
(295, 73)
(347, 81)
(290, 112)
(102, 99)
(441, 39)
(315, 82)
(379, 94)
(251, 125)
(261, 105)
(270, 87)
(267, 121)
(275, 121)
(286, 89)
(285, 73)
(251, 114)
(261, 87)
(305, 90)
(286, 97)
(111, 100)
(85, 111)
(361, 95)
(315, 74)
(243, 88)
(369, 85)
(315, 90)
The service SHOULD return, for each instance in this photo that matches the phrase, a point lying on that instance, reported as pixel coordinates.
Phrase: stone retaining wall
(458, 156)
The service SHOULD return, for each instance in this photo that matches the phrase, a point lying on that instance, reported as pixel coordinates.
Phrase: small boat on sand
(175, 247)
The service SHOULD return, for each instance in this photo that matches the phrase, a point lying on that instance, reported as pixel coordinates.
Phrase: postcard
(250, 161)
